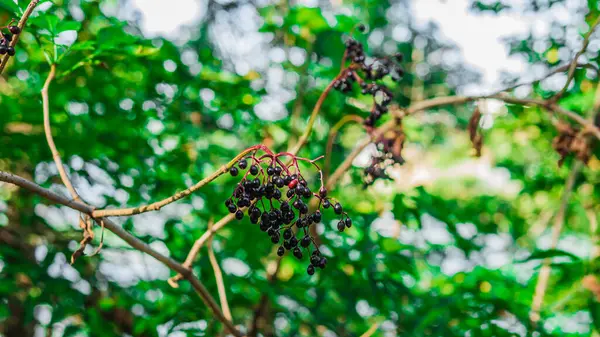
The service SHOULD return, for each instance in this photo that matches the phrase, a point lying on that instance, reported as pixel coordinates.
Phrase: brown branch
(48, 131)
(573, 65)
(371, 330)
(198, 244)
(218, 276)
(179, 195)
(21, 25)
(331, 138)
(130, 239)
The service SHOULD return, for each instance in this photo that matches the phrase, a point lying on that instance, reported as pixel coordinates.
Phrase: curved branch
(21, 25)
(130, 239)
(218, 277)
(48, 131)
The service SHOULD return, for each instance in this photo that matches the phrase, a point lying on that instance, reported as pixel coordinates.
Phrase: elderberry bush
(276, 196)
(6, 36)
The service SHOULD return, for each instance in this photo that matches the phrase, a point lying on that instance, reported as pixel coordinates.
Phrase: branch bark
(218, 277)
(130, 239)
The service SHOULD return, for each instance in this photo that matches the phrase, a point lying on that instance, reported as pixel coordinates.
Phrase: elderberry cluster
(276, 198)
(389, 152)
(6, 38)
(367, 72)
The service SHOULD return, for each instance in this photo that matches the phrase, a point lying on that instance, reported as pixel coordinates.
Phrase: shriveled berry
(337, 208)
(253, 170)
(233, 171)
(243, 164)
(239, 214)
(310, 270)
(280, 251)
(14, 29)
(305, 242)
(297, 253)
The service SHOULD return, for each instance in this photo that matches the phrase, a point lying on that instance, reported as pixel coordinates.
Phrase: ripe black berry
(280, 251)
(14, 29)
(253, 170)
(310, 270)
(323, 192)
(361, 28)
(341, 226)
(270, 171)
(305, 241)
(348, 222)
(337, 208)
(8, 36)
(232, 208)
(315, 259)
(243, 164)
(3, 49)
(239, 214)
(233, 171)
(326, 204)
(323, 263)
(275, 238)
(10, 51)
(297, 253)
(316, 217)
(287, 234)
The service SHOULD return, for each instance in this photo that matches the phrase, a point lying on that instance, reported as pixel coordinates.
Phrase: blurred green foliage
(138, 118)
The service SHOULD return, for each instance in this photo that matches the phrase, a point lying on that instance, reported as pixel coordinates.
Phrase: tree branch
(218, 276)
(48, 131)
(130, 239)
(21, 25)
(573, 65)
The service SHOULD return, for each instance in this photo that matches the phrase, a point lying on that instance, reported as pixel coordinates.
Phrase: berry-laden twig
(9, 40)
(274, 195)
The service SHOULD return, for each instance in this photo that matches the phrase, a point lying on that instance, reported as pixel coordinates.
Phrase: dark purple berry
(3, 49)
(348, 222)
(253, 170)
(14, 29)
(305, 241)
(239, 214)
(337, 208)
(323, 263)
(280, 251)
(326, 203)
(297, 253)
(341, 226)
(310, 270)
(243, 164)
(287, 234)
(10, 51)
(232, 208)
(316, 217)
(233, 171)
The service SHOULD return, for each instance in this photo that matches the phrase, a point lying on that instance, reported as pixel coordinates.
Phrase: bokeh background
(152, 96)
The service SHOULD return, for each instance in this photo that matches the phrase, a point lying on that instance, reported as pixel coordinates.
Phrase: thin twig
(371, 330)
(198, 244)
(218, 276)
(573, 65)
(331, 138)
(130, 239)
(21, 25)
(48, 131)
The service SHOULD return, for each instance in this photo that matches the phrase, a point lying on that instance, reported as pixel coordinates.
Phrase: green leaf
(68, 25)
